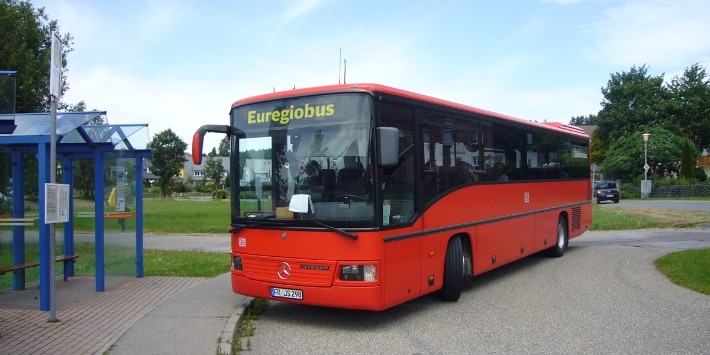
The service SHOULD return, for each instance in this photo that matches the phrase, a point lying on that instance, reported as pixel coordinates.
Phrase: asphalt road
(603, 296)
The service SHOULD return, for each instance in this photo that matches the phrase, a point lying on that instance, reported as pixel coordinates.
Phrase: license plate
(286, 293)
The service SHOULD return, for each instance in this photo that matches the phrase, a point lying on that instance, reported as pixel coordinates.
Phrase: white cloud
(177, 104)
(658, 33)
(297, 10)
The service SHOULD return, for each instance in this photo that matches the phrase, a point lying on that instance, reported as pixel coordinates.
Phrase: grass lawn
(624, 218)
(688, 268)
(168, 216)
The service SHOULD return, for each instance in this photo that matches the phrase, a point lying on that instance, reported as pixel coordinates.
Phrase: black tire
(561, 240)
(453, 271)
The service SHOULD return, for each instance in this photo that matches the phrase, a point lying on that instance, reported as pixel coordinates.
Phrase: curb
(227, 339)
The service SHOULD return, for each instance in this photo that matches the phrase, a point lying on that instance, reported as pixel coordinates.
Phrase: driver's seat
(350, 181)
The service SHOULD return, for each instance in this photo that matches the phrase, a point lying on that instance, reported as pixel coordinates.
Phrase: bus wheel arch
(454, 264)
(467, 256)
(561, 237)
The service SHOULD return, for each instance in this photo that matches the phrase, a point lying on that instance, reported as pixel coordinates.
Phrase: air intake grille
(576, 218)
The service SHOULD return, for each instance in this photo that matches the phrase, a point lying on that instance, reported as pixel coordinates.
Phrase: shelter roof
(74, 128)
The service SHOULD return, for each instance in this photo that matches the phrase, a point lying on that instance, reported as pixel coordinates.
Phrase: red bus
(364, 196)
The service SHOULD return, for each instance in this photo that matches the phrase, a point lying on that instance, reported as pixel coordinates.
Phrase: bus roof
(378, 88)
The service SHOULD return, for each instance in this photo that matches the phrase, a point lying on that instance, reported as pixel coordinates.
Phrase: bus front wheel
(453, 271)
(562, 239)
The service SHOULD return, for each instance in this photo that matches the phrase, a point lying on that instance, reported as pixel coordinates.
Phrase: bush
(630, 190)
(203, 188)
(180, 187)
(219, 194)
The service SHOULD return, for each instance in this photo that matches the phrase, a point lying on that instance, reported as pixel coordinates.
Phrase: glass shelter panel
(119, 211)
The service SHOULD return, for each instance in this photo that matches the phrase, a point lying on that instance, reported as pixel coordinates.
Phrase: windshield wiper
(337, 230)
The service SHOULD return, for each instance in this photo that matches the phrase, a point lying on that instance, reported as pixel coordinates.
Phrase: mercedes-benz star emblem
(283, 269)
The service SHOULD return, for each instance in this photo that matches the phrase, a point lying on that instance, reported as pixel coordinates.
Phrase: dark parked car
(606, 190)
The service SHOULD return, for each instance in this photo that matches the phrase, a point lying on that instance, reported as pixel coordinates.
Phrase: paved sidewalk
(151, 315)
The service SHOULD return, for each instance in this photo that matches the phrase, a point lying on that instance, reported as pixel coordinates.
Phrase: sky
(179, 64)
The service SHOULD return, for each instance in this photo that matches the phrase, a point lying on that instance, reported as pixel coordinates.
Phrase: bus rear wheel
(562, 239)
(453, 271)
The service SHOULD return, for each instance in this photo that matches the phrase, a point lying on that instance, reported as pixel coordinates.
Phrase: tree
(25, 46)
(687, 161)
(168, 157)
(5, 184)
(597, 154)
(83, 178)
(633, 100)
(224, 147)
(80, 107)
(214, 168)
(691, 98)
(581, 120)
(625, 157)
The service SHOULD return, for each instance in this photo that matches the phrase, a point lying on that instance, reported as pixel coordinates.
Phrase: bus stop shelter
(76, 138)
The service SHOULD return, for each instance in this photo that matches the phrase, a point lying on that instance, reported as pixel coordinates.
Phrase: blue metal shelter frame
(75, 139)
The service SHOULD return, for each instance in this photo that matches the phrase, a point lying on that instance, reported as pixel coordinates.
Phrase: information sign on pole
(55, 66)
(56, 207)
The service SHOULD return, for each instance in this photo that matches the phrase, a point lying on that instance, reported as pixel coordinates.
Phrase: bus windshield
(303, 161)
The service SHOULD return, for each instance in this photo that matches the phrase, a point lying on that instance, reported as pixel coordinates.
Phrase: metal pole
(645, 159)
(645, 184)
(55, 80)
(52, 226)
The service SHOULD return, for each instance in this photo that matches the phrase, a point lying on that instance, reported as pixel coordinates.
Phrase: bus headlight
(367, 273)
(237, 263)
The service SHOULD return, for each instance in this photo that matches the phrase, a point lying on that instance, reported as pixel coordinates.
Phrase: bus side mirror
(388, 146)
(199, 136)
(197, 140)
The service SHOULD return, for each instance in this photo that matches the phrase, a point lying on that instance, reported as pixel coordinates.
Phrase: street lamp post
(645, 155)
(645, 188)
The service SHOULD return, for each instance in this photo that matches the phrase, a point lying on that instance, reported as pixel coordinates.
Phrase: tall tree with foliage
(691, 98)
(168, 157)
(687, 161)
(214, 168)
(83, 177)
(633, 100)
(625, 157)
(224, 148)
(25, 46)
(582, 120)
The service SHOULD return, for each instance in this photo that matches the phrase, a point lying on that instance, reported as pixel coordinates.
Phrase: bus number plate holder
(286, 293)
